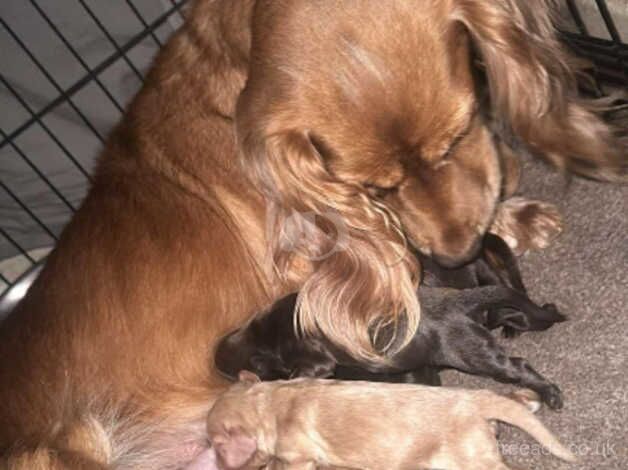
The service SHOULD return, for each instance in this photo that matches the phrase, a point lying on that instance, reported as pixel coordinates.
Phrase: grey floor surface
(585, 272)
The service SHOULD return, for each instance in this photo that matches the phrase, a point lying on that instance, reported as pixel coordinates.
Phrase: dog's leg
(514, 322)
(506, 308)
(526, 224)
(470, 347)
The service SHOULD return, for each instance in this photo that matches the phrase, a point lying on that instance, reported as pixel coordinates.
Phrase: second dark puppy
(459, 306)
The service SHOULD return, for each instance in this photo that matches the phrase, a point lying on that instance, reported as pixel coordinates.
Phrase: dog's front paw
(526, 224)
(543, 223)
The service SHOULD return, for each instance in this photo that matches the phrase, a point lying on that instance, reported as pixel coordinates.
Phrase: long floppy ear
(533, 89)
(363, 278)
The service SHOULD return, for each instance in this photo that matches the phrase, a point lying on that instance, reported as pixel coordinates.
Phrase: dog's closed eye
(380, 192)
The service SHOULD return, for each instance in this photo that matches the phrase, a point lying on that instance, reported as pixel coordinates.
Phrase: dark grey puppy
(459, 307)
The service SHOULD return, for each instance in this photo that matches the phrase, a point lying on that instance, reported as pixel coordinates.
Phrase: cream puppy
(308, 424)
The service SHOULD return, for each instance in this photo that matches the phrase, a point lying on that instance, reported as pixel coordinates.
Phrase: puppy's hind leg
(472, 349)
(507, 308)
(516, 313)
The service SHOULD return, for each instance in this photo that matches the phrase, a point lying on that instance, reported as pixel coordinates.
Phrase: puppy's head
(264, 346)
(270, 348)
(243, 349)
(232, 427)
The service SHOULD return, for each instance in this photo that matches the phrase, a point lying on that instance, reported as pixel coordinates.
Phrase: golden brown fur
(532, 82)
(386, 130)
(159, 262)
(362, 113)
(305, 423)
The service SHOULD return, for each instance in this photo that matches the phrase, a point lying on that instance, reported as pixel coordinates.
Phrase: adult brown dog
(360, 112)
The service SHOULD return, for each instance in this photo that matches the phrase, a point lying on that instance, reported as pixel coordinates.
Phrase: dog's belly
(183, 446)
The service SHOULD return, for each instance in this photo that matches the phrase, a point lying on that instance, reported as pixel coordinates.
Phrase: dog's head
(370, 110)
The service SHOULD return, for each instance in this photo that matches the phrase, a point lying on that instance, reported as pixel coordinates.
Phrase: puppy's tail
(515, 413)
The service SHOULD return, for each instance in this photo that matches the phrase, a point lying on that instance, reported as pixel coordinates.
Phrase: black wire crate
(68, 69)
(596, 34)
(70, 66)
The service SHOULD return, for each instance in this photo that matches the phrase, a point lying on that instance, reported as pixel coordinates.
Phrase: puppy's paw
(529, 398)
(526, 224)
(554, 314)
(552, 397)
(509, 332)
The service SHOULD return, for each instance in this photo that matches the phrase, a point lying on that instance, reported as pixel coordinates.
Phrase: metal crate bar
(19, 248)
(36, 117)
(26, 209)
(112, 40)
(609, 56)
(76, 55)
(577, 17)
(174, 3)
(92, 75)
(51, 134)
(608, 20)
(141, 19)
(51, 79)
(39, 173)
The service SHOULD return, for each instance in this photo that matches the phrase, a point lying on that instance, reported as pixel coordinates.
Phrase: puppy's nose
(450, 261)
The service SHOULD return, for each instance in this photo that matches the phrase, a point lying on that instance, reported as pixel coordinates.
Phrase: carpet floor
(585, 272)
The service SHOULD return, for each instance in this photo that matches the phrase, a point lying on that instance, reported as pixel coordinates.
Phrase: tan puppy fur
(306, 423)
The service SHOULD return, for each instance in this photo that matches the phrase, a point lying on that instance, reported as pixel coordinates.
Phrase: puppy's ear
(502, 261)
(234, 449)
(363, 278)
(533, 88)
(248, 377)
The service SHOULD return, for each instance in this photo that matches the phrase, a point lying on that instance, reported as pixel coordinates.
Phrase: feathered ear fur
(363, 278)
(533, 89)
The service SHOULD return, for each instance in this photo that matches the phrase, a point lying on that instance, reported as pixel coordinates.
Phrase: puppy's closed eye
(269, 367)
